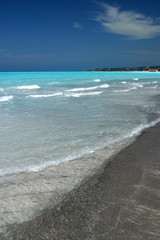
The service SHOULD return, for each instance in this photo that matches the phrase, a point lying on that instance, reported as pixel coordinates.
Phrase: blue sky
(66, 35)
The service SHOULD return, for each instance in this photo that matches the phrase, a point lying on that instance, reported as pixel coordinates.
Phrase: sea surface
(51, 117)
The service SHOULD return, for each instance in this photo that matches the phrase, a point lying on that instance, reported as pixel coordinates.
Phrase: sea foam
(88, 88)
(46, 95)
(82, 89)
(125, 90)
(28, 87)
(82, 94)
(97, 80)
(104, 86)
(5, 98)
(137, 85)
(141, 127)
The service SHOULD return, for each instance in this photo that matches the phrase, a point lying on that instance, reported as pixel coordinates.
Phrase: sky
(75, 35)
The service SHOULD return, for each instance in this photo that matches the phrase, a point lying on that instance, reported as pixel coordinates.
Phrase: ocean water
(51, 117)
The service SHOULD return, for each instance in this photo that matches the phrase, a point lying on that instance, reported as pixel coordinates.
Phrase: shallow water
(50, 117)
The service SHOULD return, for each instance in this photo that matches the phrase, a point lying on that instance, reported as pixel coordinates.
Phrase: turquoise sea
(50, 117)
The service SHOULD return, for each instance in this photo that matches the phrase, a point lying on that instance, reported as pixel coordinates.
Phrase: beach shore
(117, 199)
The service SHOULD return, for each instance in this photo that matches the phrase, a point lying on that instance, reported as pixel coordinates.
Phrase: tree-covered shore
(123, 69)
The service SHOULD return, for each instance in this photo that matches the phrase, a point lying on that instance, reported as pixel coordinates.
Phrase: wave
(125, 90)
(141, 127)
(43, 165)
(5, 98)
(82, 89)
(135, 79)
(1, 90)
(104, 86)
(82, 94)
(97, 80)
(88, 88)
(66, 94)
(137, 85)
(148, 83)
(46, 95)
(28, 87)
(124, 82)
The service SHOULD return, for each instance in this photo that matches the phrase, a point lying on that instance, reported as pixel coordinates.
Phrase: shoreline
(126, 183)
(26, 195)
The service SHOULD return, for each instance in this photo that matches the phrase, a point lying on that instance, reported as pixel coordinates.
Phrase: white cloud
(129, 23)
(77, 25)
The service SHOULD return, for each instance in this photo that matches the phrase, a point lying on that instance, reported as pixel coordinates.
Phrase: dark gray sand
(121, 201)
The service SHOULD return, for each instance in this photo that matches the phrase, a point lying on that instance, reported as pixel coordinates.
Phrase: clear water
(50, 117)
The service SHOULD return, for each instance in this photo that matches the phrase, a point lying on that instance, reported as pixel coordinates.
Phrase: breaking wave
(82, 94)
(5, 98)
(104, 86)
(28, 87)
(97, 80)
(82, 89)
(125, 90)
(137, 84)
(88, 88)
(46, 95)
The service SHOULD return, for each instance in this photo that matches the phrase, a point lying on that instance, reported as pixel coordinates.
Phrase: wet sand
(118, 201)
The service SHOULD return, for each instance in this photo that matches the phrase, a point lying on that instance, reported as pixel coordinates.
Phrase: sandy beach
(118, 199)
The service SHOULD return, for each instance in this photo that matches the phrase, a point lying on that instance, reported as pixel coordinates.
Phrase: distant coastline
(127, 69)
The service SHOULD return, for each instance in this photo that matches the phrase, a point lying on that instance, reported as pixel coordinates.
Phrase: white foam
(28, 87)
(137, 85)
(82, 89)
(125, 90)
(124, 82)
(58, 94)
(141, 127)
(5, 98)
(88, 88)
(1, 90)
(46, 95)
(42, 166)
(148, 83)
(135, 79)
(97, 80)
(104, 86)
(136, 131)
(82, 94)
